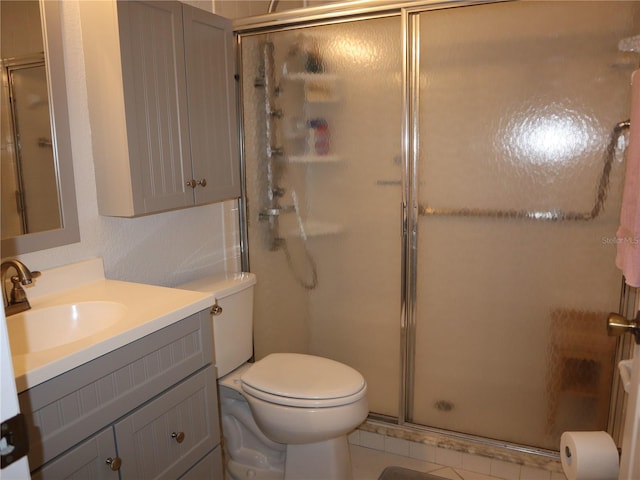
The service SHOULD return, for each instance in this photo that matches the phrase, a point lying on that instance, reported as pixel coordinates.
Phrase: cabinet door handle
(192, 183)
(216, 309)
(179, 436)
(114, 463)
(203, 182)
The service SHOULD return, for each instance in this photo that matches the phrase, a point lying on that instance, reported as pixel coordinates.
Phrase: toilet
(287, 415)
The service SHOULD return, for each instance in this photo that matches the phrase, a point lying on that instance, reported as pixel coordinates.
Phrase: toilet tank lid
(221, 285)
(296, 375)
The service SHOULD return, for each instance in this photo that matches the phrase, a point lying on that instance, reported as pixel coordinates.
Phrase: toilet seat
(301, 402)
(300, 380)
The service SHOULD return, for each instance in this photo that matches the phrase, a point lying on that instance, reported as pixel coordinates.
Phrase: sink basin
(43, 328)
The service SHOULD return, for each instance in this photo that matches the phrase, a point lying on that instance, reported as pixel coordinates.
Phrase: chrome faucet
(16, 301)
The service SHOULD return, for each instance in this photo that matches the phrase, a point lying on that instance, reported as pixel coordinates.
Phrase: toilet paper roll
(589, 456)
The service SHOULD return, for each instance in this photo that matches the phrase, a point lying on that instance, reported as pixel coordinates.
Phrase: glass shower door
(516, 253)
(322, 129)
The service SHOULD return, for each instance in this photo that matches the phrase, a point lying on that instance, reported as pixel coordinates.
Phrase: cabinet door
(170, 434)
(152, 50)
(212, 107)
(87, 460)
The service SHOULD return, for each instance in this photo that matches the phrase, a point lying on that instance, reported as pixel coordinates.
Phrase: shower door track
(336, 13)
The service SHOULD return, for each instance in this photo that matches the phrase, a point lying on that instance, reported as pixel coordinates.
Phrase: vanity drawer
(164, 438)
(77, 404)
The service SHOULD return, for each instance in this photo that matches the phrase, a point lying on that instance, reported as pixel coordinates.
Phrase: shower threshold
(520, 455)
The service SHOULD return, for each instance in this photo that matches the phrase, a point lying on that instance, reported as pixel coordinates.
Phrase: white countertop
(148, 309)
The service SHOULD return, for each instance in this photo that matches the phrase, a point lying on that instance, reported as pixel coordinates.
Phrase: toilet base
(239, 471)
(327, 460)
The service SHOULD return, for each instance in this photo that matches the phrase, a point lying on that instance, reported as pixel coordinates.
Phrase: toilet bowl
(286, 415)
(310, 404)
(299, 398)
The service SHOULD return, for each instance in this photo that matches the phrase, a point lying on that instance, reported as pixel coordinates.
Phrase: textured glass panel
(517, 103)
(323, 168)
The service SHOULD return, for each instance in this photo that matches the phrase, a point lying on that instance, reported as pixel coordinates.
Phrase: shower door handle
(618, 325)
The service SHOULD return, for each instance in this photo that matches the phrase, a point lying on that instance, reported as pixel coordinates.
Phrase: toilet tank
(233, 326)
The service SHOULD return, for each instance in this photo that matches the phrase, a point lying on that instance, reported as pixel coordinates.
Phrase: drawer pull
(203, 182)
(114, 463)
(179, 436)
(191, 183)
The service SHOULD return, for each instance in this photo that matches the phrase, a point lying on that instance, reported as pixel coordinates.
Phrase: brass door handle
(618, 325)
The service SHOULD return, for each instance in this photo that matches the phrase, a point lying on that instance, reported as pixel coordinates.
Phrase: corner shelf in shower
(305, 76)
(313, 158)
(318, 87)
(316, 228)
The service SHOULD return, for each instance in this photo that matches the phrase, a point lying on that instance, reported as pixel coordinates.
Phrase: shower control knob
(203, 182)
(192, 183)
(114, 463)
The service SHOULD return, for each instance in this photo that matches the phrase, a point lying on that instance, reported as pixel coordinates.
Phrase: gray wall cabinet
(161, 91)
(148, 410)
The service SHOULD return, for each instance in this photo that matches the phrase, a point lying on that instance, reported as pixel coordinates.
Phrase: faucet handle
(15, 279)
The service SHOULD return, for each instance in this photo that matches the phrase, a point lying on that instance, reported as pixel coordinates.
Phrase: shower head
(630, 44)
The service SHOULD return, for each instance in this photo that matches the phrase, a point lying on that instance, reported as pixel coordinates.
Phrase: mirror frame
(51, 21)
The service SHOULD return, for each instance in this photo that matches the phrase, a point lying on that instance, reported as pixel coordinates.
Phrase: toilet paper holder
(618, 325)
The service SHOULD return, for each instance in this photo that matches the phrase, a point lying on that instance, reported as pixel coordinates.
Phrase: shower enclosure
(432, 196)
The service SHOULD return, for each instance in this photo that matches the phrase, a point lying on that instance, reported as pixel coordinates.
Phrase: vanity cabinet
(161, 92)
(146, 410)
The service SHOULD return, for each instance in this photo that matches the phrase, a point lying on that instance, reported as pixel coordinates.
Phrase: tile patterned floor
(372, 453)
(368, 464)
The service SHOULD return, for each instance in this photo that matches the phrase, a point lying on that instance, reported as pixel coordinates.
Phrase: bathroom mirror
(38, 193)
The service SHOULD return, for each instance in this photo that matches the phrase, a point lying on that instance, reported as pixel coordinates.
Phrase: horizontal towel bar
(553, 215)
(549, 215)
